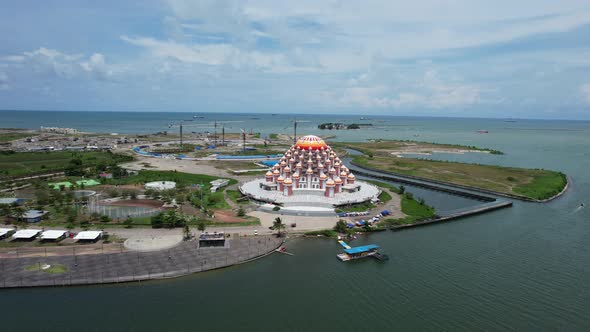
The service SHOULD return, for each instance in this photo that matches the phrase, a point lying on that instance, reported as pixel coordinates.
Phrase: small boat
(482, 131)
(283, 250)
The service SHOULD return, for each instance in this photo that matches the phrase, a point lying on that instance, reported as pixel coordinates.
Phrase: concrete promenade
(184, 259)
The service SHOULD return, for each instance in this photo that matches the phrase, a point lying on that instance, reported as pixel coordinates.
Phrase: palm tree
(278, 225)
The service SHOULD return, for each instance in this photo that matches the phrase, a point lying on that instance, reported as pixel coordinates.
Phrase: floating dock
(351, 253)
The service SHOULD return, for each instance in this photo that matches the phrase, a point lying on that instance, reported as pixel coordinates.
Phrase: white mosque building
(310, 172)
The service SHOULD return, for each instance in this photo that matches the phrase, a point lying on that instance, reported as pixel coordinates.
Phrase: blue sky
(526, 58)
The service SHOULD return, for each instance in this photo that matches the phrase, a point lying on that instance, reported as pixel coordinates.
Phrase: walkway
(183, 259)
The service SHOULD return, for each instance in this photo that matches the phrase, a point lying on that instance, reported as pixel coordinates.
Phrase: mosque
(310, 172)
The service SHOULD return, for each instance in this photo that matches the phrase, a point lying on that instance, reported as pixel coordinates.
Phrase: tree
(128, 222)
(42, 197)
(241, 212)
(157, 220)
(18, 213)
(341, 226)
(402, 189)
(105, 219)
(201, 225)
(278, 225)
(186, 232)
(71, 219)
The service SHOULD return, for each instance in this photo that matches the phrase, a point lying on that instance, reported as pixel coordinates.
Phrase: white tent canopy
(26, 234)
(88, 235)
(53, 234)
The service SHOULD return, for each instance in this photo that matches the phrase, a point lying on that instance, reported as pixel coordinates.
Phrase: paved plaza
(183, 259)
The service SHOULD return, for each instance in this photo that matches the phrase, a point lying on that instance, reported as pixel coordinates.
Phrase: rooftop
(361, 249)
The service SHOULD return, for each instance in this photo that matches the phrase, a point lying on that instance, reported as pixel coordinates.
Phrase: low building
(10, 201)
(26, 234)
(218, 183)
(6, 232)
(33, 216)
(54, 235)
(214, 239)
(106, 175)
(160, 185)
(88, 236)
(87, 183)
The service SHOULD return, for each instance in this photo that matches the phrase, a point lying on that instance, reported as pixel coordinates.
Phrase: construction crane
(180, 125)
(295, 123)
(243, 140)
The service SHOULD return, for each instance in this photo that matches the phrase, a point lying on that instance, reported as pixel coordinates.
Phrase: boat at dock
(352, 253)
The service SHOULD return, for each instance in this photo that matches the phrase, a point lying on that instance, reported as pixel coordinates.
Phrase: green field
(7, 137)
(52, 269)
(181, 179)
(528, 183)
(13, 164)
(414, 211)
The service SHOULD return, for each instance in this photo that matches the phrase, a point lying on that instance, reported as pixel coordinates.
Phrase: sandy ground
(186, 166)
(152, 242)
(303, 223)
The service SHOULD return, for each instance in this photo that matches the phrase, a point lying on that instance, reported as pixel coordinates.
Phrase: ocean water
(524, 268)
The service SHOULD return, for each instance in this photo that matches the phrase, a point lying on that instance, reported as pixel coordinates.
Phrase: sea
(524, 268)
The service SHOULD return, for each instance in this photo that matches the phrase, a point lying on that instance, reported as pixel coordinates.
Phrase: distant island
(339, 125)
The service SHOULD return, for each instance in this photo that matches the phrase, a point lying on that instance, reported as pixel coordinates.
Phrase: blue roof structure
(358, 250)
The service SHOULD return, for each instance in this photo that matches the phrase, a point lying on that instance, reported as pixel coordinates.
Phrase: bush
(241, 212)
(341, 226)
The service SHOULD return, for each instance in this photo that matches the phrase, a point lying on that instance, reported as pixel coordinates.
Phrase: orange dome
(323, 176)
(309, 171)
(288, 181)
(311, 142)
(330, 183)
(280, 179)
(338, 180)
(276, 172)
(351, 176)
(296, 176)
(269, 173)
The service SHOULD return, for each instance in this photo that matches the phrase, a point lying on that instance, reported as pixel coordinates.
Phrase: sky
(464, 58)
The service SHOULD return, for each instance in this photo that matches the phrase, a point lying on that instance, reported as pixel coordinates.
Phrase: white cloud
(52, 63)
(219, 54)
(97, 66)
(430, 91)
(585, 90)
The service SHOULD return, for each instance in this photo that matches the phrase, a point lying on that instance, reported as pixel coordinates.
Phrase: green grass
(273, 136)
(360, 207)
(391, 187)
(529, 183)
(325, 232)
(384, 197)
(252, 221)
(543, 186)
(53, 269)
(7, 137)
(181, 179)
(414, 211)
(14, 164)
(235, 195)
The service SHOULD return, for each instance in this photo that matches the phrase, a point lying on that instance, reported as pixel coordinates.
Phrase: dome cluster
(310, 164)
